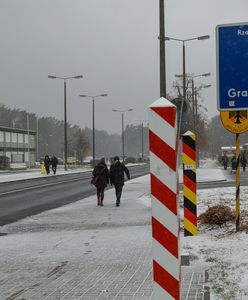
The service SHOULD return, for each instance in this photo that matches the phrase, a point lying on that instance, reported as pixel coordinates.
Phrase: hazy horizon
(114, 45)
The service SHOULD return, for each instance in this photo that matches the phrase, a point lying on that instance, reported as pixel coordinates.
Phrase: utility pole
(197, 129)
(65, 126)
(162, 49)
(123, 141)
(28, 141)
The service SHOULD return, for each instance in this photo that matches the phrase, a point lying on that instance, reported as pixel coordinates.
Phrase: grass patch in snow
(217, 215)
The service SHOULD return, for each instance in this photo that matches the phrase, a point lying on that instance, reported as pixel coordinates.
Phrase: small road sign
(232, 66)
(189, 167)
(235, 121)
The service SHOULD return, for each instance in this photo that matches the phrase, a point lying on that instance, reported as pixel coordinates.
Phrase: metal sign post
(237, 181)
(232, 87)
(236, 122)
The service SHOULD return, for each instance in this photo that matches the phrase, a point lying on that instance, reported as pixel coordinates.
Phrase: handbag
(94, 180)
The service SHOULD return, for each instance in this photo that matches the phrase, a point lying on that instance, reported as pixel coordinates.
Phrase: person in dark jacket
(117, 170)
(47, 164)
(233, 164)
(101, 175)
(54, 163)
(225, 161)
(243, 162)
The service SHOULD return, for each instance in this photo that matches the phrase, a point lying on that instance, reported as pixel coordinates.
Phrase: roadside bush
(217, 215)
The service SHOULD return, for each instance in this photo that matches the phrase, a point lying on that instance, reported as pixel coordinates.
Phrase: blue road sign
(232, 66)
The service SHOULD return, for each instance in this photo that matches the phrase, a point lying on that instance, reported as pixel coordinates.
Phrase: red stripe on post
(166, 281)
(162, 150)
(168, 114)
(190, 216)
(165, 237)
(189, 151)
(189, 183)
(162, 193)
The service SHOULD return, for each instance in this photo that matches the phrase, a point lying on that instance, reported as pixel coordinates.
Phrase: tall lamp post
(142, 137)
(196, 118)
(65, 112)
(122, 122)
(93, 122)
(192, 77)
(200, 38)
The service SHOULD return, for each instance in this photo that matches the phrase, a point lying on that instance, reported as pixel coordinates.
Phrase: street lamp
(142, 137)
(192, 77)
(196, 117)
(122, 118)
(65, 113)
(200, 38)
(93, 122)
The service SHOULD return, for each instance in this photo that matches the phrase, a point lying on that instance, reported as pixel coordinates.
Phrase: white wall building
(19, 145)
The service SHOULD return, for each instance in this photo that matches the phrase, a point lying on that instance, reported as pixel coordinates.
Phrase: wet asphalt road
(24, 198)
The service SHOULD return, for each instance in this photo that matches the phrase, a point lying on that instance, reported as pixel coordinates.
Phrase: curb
(39, 178)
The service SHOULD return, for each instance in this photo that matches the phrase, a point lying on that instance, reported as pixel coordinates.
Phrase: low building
(19, 145)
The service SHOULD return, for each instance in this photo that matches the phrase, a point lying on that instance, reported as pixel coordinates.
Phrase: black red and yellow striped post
(189, 184)
(237, 181)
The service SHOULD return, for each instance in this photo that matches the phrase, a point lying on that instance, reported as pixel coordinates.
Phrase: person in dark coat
(233, 162)
(54, 163)
(225, 161)
(243, 162)
(117, 170)
(101, 175)
(47, 164)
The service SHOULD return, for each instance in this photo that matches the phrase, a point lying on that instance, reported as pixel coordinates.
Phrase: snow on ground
(224, 250)
(7, 176)
(221, 248)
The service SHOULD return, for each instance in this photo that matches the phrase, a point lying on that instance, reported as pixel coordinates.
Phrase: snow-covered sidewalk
(81, 251)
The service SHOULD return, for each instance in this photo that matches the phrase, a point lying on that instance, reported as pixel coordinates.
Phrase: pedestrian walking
(117, 170)
(47, 164)
(100, 180)
(233, 163)
(243, 162)
(54, 163)
(225, 161)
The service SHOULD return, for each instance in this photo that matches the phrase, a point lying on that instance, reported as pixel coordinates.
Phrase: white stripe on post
(165, 207)
(160, 170)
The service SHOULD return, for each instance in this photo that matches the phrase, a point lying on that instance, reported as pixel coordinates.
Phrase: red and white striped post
(164, 193)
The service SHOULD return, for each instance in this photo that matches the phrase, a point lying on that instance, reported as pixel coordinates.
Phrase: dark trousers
(118, 192)
(54, 168)
(100, 195)
(47, 169)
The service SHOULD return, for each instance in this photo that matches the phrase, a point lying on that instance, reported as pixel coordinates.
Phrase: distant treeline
(51, 136)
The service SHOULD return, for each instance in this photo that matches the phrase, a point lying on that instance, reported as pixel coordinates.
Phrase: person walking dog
(116, 173)
(100, 179)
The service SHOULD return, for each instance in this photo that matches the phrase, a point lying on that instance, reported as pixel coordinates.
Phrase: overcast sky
(113, 44)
